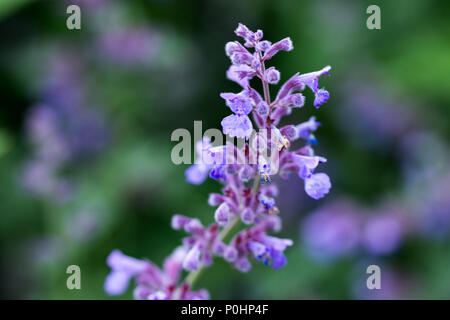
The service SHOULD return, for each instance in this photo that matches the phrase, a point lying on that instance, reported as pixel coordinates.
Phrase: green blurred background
(137, 70)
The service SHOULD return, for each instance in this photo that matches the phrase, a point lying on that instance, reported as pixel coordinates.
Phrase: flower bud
(262, 109)
(272, 75)
(230, 254)
(246, 173)
(241, 58)
(194, 226)
(243, 264)
(296, 100)
(263, 45)
(231, 47)
(179, 221)
(192, 260)
(222, 215)
(215, 199)
(247, 216)
(218, 248)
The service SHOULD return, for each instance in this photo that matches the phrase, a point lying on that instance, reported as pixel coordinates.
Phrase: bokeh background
(86, 118)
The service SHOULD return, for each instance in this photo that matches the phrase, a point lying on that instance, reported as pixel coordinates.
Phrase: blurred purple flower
(129, 45)
(332, 231)
(382, 233)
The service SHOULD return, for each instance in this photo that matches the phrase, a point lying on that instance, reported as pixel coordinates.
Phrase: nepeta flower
(209, 161)
(152, 282)
(123, 268)
(382, 234)
(305, 130)
(317, 185)
(245, 171)
(239, 124)
(312, 81)
(332, 231)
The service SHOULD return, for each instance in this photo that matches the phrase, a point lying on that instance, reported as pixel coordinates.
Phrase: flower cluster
(152, 282)
(61, 130)
(248, 197)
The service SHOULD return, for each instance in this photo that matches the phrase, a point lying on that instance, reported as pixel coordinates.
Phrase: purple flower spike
(318, 185)
(248, 174)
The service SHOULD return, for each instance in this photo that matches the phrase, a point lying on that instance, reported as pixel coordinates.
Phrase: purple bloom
(293, 84)
(123, 269)
(238, 103)
(241, 74)
(382, 234)
(230, 254)
(197, 173)
(222, 215)
(218, 172)
(272, 75)
(269, 250)
(332, 231)
(192, 260)
(306, 164)
(262, 109)
(129, 46)
(296, 100)
(282, 45)
(312, 81)
(306, 129)
(263, 45)
(266, 201)
(208, 158)
(238, 124)
(243, 265)
(247, 216)
(317, 185)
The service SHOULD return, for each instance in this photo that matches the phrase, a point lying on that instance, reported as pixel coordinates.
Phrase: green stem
(193, 275)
